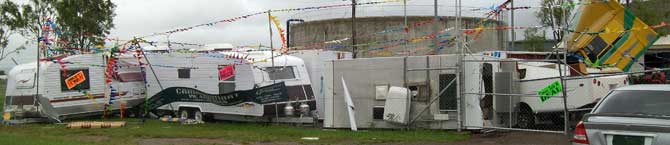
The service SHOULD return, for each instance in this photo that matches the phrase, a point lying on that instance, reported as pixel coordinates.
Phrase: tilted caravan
(201, 71)
(59, 101)
(483, 102)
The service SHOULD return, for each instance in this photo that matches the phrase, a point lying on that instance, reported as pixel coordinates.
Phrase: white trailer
(56, 100)
(200, 71)
(483, 102)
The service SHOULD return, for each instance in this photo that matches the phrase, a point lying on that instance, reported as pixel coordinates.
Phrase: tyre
(197, 115)
(525, 120)
(184, 114)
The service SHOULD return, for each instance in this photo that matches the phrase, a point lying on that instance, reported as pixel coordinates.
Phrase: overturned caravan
(133, 82)
(427, 92)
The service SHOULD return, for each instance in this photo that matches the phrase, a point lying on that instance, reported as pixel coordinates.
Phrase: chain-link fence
(516, 95)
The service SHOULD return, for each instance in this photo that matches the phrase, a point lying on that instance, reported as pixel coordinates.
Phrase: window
(226, 87)
(25, 79)
(184, 73)
(74, 80)
(448, 98)
(280, 73)
(378, 112)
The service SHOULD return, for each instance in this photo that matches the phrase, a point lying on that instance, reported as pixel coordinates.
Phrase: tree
(534, 40)
(652, 12)
(14, 19)
(86, 21)
(555, 14)
(80, 22)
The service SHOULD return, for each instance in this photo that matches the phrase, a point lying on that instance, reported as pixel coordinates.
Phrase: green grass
(235, 132)
(244, 133)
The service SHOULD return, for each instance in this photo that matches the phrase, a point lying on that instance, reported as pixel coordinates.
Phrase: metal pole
(512, 23)
(565, 62)
(435, 27)
(404, 11)
(459, 42)
(354, 50)
(565, 95)
(272, 57)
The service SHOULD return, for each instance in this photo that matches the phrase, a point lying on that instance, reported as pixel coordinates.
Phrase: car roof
(646, 87)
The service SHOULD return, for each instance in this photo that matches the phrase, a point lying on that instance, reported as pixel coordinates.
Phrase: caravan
(214, 72)
(59, 100)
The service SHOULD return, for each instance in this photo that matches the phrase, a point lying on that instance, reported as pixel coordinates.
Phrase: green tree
(14, 19)
(652, 12)
(81, 22)
(86, 22)
(534, 40)
(555, 14)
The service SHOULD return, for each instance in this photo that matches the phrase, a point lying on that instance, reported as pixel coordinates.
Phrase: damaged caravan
(435, 98)
(211, 72)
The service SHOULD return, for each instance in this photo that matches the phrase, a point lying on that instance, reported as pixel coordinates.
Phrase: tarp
(607, 34)
(268, 94)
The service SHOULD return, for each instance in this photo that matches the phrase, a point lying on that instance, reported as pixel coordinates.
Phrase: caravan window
(280, 72)
(184, 73)
(75, 80)
(25, 79)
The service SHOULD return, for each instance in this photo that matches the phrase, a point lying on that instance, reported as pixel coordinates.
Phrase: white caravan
(59, 101)
(483, 103)
(201, 71)
(193, 70)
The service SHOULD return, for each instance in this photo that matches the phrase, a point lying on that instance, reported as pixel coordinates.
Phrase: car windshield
(636, 102)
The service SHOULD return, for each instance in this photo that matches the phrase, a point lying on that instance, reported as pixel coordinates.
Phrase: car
(630, 115)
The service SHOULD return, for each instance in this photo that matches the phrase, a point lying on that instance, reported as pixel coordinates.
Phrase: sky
(143, 17)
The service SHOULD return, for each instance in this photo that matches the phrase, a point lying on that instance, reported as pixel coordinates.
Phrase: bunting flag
(234, 19)
(284, 48)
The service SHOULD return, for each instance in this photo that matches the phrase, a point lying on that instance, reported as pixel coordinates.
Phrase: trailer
(211, 72)
(492, 92)
(56, 100)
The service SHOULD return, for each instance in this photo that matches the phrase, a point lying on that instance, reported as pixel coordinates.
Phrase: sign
(75, 79)
(269, 94)
(226, 72)
(549, 91)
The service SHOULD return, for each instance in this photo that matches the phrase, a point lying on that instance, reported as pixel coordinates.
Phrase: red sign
(75, 79)
(226, 72)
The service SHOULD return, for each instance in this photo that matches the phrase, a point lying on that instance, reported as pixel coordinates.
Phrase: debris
(96, 124)
(310, 138)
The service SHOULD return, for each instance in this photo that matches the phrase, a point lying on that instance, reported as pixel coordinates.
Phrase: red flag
(226, 72)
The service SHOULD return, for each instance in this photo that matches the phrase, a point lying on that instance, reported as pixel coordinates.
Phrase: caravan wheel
(183, 114)
(197, 116)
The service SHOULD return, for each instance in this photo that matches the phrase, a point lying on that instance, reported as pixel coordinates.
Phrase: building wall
(312, 34)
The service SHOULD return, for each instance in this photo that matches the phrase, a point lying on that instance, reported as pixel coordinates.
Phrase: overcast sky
(143, 17)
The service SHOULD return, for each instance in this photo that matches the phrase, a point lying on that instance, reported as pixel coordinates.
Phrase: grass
(234, 132)
(244, 133)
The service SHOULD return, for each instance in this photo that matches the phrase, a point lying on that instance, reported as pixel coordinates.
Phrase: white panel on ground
(396, 109)
(350, 106)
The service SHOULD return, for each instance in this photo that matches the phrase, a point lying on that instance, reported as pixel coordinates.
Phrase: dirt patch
(517, 138)
(93, 138)
(183, 141)
(193, 141)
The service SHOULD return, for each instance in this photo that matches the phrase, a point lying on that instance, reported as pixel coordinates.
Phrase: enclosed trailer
(494, 90)
(58, 100)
